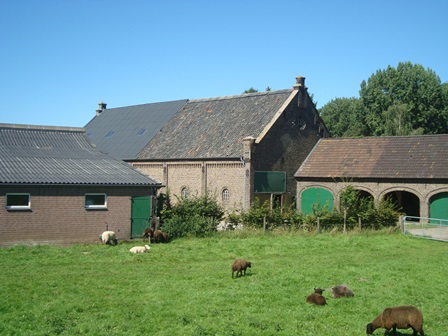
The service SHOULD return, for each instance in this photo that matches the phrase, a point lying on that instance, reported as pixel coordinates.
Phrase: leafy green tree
(405, 100)
(251, 90)
(343, 117)
(419, 88)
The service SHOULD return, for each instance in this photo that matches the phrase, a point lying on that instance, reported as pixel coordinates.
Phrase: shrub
(192, 216)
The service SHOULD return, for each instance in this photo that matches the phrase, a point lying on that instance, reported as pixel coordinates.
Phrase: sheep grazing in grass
(148, 232)
(109, 238)
(239, 266)
(317, 297)
(139, 249)
(402, 317)
(160, 237)
(341, 291)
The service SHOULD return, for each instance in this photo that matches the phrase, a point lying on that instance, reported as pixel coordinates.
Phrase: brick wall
(198, 177)
(58, 215)
(379, 189)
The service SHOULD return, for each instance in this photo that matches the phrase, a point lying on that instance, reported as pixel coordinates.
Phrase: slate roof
(123, 132)
(395, 157)
(215, 127)
(59, 155)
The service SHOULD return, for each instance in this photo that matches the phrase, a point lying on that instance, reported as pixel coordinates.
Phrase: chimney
(300, 82)
(101, 107)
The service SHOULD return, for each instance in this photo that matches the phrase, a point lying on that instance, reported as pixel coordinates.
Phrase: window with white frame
(18, 201)
(225, 195)
(95, 201)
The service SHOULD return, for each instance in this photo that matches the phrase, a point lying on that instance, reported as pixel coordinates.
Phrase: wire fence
(425, 227)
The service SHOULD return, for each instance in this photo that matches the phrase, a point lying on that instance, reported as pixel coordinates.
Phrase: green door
(438, 207)
(141, 215)
(315, 196)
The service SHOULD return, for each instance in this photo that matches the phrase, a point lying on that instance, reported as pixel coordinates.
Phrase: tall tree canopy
(405, 100)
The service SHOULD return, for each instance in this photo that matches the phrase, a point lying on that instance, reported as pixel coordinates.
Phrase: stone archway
(406, 202)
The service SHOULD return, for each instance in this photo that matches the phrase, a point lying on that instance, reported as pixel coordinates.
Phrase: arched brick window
(225, 195)
(184, 192)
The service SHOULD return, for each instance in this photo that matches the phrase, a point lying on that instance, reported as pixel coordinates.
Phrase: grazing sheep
(139, 249)
(148, 232)
(239, 266)
(109, 238)
(160, 237)
(341, 291)
(317, 297)
(402, 317)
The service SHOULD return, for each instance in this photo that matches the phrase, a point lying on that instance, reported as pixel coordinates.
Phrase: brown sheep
(148, 232)
(341, 291)
(402, 317)
(317, 297)
(160, 237)
(239, 266)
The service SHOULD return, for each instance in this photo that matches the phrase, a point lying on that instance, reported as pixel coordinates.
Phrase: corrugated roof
(411, 157)
(123, 132)
(215, 127)
(52, 155)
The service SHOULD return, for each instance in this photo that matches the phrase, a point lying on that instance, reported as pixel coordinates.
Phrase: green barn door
(438, 207)
(316, 197)
(141, 215)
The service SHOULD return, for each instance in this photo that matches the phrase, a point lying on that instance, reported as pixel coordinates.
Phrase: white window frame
(225, 195)
(18, 207)
(184, 192)
(95, 206)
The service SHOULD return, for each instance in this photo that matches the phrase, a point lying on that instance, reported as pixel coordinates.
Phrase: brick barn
(412, 170)
(234, 147)
(56, 188)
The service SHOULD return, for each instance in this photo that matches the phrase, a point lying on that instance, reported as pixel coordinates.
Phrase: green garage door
(318, 196)
(438, 207)
(141, 215)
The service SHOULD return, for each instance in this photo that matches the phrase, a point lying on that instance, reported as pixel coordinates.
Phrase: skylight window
(109, 134)
(141, 132)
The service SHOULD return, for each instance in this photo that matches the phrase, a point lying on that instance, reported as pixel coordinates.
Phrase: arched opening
(405, 202)
(438, 206)
(312, 197)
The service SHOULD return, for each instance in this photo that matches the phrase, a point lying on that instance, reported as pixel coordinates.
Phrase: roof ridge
(42, 127)
(243, 95)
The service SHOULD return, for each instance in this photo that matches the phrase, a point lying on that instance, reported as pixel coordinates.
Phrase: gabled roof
(215, 127)
(58, 155)
(394, 157)
(123, 132)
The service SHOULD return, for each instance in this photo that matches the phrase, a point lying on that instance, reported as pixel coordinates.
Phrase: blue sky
(60, 58)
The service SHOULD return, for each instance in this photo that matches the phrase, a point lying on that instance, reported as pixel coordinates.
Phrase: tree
(405, 100)
(421, 90)
(343, 117)
(251, 90)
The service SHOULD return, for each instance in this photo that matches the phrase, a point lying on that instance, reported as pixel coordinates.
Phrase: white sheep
(139, 249)
(109, 237)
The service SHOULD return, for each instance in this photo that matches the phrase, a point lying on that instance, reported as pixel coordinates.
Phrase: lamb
(109, 238)
(139, 249)
(402, 317)
(160, 237)
(341, 291)
(317, 297)
(239, 266)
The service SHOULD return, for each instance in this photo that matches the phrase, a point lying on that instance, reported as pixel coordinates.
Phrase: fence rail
(425, 227)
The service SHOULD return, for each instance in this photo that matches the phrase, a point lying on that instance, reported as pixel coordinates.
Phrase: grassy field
(185, 287)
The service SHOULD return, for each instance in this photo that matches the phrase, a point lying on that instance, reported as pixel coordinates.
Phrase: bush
(192, 216)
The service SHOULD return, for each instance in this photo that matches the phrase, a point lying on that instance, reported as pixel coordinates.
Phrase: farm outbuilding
(411, 170)
(235, 147)
(57, 188)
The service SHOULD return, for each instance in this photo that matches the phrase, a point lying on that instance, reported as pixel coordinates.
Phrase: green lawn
(185, 287)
